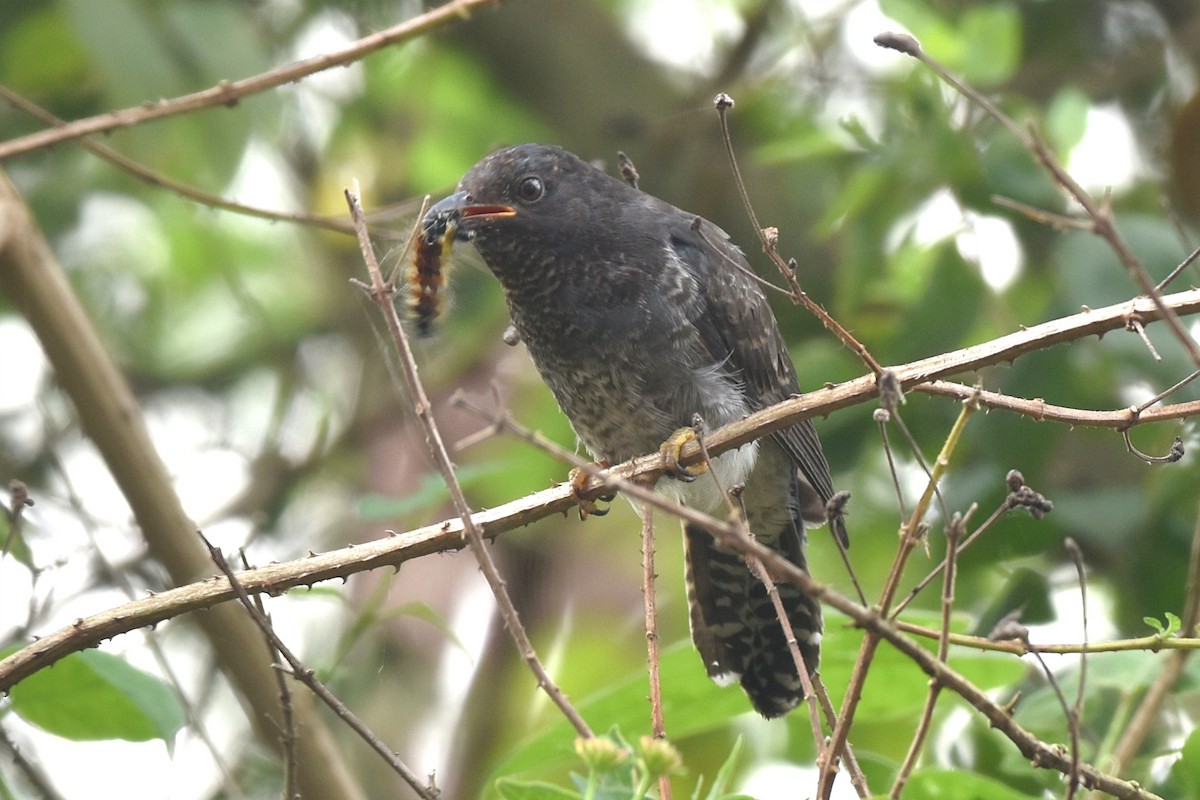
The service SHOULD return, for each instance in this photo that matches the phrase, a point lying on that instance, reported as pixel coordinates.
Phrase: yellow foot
(578, 480)
(671, 450)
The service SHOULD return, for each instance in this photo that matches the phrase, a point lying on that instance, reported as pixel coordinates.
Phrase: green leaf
(1186, 771)
(896, 688)
(12, 540)
(93, 695)
(692, 702)
(1173, 626)
(944, 784)
(24, 51)
(724, 775)
(431, 493)
(532, 790)
(1066, 120)
(994, 30)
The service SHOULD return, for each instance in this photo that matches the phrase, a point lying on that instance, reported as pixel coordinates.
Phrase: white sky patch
(683, 35)
(988, 242)
(861, 25)
(1136, 393)
(936, 219)
(319, 95)
(433, 742)
(26, 369)
(123, 235)
(991, 243)
(1067, 625)
(814, 10)
(1107, 155)
(24, 365)
(264, 180)
(777, 780)
(17, 583)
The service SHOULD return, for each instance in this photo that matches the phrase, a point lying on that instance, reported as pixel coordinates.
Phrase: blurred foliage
(271, 395)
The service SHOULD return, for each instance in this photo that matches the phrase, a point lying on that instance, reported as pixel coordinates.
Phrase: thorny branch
(230, 93)
(309, 679)
(1100, 214)
(447, 535)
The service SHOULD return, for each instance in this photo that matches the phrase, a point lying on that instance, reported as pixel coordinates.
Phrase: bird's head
(527, 205)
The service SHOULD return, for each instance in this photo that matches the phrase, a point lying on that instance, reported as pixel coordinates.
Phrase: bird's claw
(671, 450)
(578, 481)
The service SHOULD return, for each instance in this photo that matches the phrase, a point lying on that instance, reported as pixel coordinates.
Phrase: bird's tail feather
(735, 627)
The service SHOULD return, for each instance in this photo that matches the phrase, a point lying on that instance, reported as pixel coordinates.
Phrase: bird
(640, 316)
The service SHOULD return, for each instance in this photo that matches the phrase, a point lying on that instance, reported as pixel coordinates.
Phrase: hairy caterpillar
(426, 274)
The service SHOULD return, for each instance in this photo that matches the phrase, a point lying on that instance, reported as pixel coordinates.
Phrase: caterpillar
(426, 274)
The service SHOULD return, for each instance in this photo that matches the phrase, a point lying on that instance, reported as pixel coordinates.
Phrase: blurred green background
(270, 391)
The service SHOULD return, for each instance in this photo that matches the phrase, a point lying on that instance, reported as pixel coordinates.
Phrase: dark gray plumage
(637, 321)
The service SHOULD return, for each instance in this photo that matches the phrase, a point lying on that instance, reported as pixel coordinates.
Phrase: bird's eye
(531, 189)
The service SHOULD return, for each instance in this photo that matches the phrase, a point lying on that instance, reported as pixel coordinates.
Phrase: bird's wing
(739, 330)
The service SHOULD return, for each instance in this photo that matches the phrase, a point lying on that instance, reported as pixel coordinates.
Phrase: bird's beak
(444, 218)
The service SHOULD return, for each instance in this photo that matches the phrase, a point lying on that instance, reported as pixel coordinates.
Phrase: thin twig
(1137, 327)
(759, 570)
(1173, 274)
(881, 417)
(287, 731)
(723, 104)
(383, 293)
(19, 500)
(1140, 407)
(1041, 411)
(892, 397)
(908, 540)
(658, 727)
(954, 531)
(737, 516)
(230, 93)
(155, 178)
(858, 778)
(1145, 718)
(1019, 495)
(1011, 628)
(33, 772)
(1173, 455)
(1075, 715)
(1059, 222)
(309, 679)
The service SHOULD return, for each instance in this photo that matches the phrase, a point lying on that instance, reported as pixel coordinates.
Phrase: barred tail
(735, 627)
